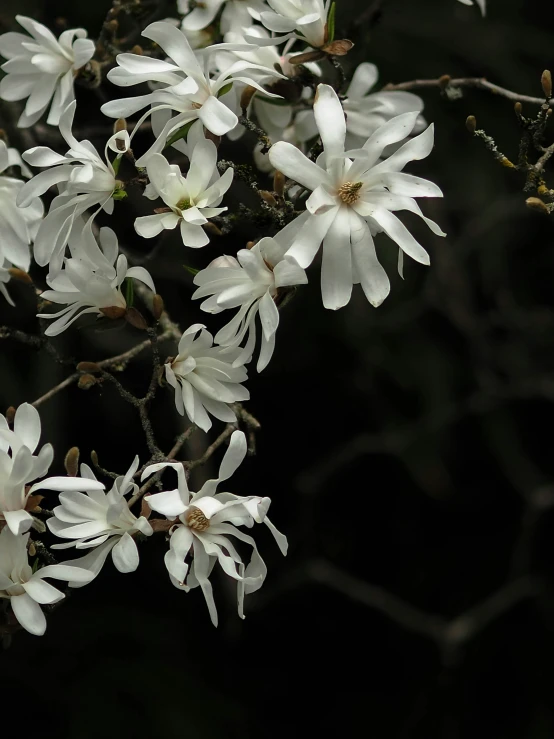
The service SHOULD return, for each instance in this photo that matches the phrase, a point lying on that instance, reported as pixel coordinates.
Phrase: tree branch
(480, 83)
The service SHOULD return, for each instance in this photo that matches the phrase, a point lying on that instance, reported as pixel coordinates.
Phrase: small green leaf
(225, 89)
(116, 165)
(35, 566)
(181, 133)
(119, 194)
(129, 292)
(331, 23)
(192, 270)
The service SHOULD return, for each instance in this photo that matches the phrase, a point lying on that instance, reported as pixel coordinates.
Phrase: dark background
(407, 451)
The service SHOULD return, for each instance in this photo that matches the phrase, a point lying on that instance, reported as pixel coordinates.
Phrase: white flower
(42, 68)
(189, 90)
(480, 3)
(253, 283)
(19, 466)
(206, 521)
(354, 196)
(90, 281)
(234, 17)
(99, 521)
(204, 379)
(365, 111)
(18, 226)
(306, 19)
(85, 180)
(190, 199)
(26, 589)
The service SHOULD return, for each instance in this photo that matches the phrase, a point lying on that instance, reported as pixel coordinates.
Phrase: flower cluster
(225, 68)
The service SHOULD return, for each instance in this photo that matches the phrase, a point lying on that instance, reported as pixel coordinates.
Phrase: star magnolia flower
(190, 200)
(480, 3)
(352, 196)
(42, 68)
(99, 521)
(365, 111)
(306, 19)
(18, 465)
(205, 379)
(189, 89)
(85, 180)
(18, 226)
(27, 590)
(90, 282)
(235, 13)
(206, 521)
(253, 283)
(272, 118)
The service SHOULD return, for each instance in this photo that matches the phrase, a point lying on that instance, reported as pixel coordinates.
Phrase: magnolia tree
(330, 169)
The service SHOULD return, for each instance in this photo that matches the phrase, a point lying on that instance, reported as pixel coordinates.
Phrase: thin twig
(181, 439)
(117, 363)
(469, 82)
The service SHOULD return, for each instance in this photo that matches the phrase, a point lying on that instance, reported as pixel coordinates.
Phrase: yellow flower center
(183, 204)
(349, 192)
(196, 519)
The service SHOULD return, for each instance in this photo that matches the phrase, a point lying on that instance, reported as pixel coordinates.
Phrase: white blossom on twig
(18, 226)
(42, 68)
(189, 88)
(205, 379)
(206, 521)
(85, 180)
(90, 281)
(190, 200)
(354, 195)
(254, 282)
(26, 589)
(100, 522)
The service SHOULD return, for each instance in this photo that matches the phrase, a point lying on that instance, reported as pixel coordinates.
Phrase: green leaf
(129, 292)
(35, 566)
(116, 164)
(225, 89)
(331, 23)
(181, 133)
(119, 193)
(192, 270)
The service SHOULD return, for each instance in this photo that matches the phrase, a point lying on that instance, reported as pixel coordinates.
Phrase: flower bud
(113, 312)
(546, 82)
(10, 415)
(89, 367)
(111, 26)
(20, 275)
(212, 228)
(247, 95)
(137, 50)
(538, 205)
(518, 109)
(136, 319)
(471, 123)
(268, 197)
(444, 81)
(86, 382)
(279, 180)
(338, 48)
(157, 306)
(71, 461)
(120, 125)
(308, 56)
